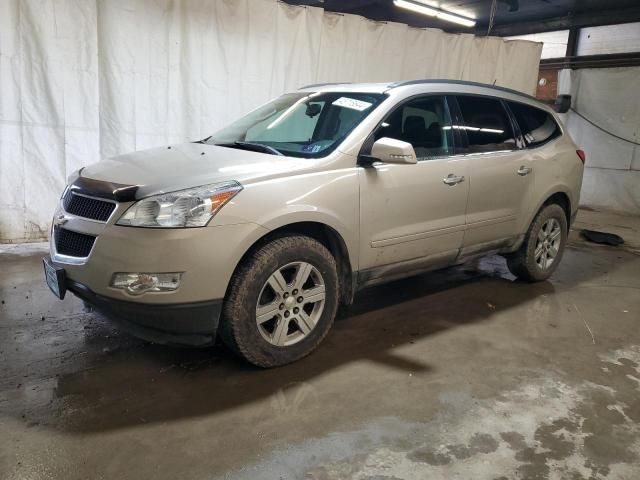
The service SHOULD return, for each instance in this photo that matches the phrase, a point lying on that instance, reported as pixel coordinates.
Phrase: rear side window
(486, 124)
(536, 125)
(424, 123)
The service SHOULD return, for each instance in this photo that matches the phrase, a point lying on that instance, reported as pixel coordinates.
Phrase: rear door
(501, 171)
(413, 216)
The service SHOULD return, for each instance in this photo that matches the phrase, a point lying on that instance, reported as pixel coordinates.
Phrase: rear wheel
(282, 301)
(543, 246)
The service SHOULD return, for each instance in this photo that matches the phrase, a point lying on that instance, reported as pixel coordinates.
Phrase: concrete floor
(464, 373)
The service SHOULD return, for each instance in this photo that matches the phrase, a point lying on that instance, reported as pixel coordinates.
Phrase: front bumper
(187, 316)
(192, 324)
(205, 256)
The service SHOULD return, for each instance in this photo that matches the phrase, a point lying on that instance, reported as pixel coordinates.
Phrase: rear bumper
(193, 324)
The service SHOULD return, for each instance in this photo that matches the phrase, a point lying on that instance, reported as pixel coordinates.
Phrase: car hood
(167, 169)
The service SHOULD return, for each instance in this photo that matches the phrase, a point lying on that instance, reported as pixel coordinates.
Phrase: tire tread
(522, 262)
(237, 301)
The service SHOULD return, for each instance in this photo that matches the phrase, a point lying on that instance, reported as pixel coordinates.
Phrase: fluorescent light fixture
(452, 17)
(472, 129)
(463, 127)
(434, 12)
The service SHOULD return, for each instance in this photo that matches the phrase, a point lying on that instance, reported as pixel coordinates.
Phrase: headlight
(193, 207)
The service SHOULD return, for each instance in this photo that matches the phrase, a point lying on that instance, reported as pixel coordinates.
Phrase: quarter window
(486, 124)
(424, 123)
(536, 125)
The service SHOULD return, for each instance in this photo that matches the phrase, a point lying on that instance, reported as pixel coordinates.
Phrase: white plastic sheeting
(609, 99)
(82, 80)
(554, 44)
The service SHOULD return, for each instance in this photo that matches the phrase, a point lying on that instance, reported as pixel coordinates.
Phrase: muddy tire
(281, 302)
(543, 246)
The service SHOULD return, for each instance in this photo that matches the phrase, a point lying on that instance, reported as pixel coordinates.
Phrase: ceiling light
(434, 12)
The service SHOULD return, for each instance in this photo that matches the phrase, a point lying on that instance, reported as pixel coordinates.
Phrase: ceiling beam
(611, 60)
(578, 20)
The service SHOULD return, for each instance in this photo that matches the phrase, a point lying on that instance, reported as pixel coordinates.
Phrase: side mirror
(390, 150)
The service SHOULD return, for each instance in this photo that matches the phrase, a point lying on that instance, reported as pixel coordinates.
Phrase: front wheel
(543, 246)
(282, 301)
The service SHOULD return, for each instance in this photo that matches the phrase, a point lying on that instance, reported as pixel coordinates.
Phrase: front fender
(330, 198)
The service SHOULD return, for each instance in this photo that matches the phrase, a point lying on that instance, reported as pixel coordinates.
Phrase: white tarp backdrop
(82, 80)
(608, 98)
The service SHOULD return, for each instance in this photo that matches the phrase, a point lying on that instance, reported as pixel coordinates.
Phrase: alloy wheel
(290, 304)
(548, 243)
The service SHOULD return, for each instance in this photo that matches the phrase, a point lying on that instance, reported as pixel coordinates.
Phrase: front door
(413, 216)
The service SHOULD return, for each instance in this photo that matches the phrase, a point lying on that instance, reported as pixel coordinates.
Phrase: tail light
(582, 155)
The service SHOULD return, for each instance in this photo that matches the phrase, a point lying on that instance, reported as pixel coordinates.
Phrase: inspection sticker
(312, 148)
(352, 103)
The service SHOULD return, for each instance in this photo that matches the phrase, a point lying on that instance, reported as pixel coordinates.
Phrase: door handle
(452, 179)
(522, 171)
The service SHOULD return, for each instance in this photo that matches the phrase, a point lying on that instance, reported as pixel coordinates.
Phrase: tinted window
(537, 126)
(486, 124)
(424, 123)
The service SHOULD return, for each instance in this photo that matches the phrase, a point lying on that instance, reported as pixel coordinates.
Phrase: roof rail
(461, 82)
(324, 84)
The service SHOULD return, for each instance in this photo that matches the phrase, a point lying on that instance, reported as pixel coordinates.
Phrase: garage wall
(82, 80)
(605, 123)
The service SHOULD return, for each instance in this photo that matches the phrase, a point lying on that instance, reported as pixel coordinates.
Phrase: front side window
(486, 124)
(536, 125)
(424, 123)
(299, 124)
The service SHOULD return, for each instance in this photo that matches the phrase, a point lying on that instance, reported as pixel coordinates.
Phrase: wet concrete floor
(464, 373)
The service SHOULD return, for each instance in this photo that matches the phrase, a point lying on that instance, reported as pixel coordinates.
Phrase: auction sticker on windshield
(352, 103)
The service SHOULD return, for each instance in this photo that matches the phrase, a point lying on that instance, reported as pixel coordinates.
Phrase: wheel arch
(327, 236)
(562, 199)
(560, 196)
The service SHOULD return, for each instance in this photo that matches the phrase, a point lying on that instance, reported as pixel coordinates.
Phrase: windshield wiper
(259, 147)
(204, 140)
(256, 147)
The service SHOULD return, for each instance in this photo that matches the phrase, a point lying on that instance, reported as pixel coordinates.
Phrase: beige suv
(260, 231)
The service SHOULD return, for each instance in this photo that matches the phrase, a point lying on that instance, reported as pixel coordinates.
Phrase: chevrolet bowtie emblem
(60, 220)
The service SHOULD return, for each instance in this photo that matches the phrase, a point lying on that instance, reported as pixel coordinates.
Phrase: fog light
(139, 283)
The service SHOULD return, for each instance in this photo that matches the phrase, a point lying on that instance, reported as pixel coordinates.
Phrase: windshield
(299, 124)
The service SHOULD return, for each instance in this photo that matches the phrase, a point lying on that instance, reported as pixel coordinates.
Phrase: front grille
(86, 207)
(73, 244)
